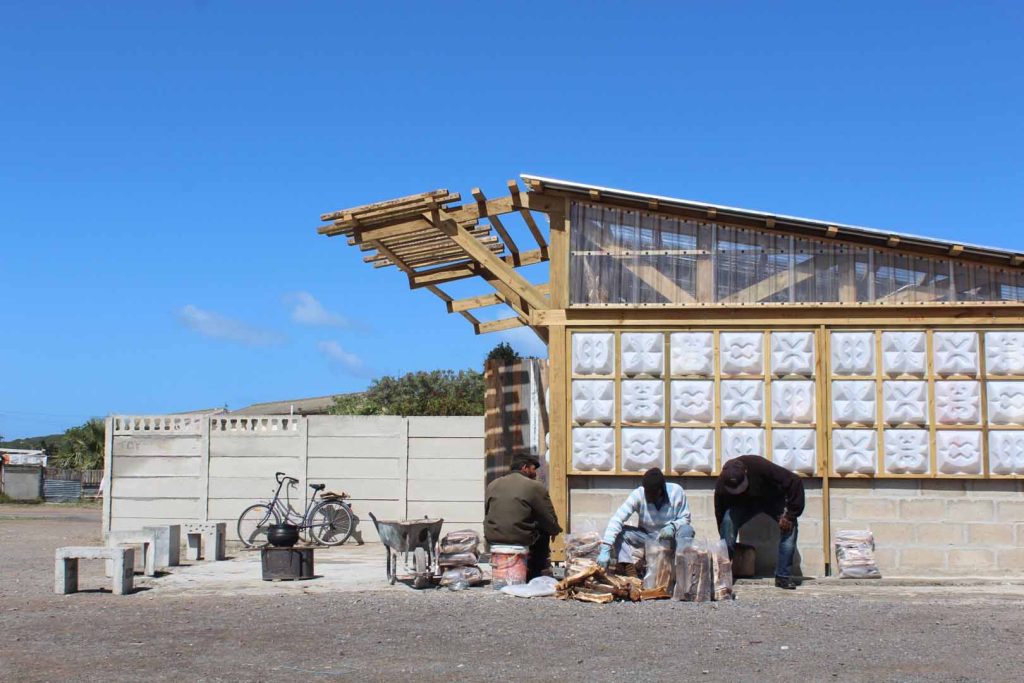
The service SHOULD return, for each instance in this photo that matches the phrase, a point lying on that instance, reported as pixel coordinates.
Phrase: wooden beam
(517, 202)
(474, 302)
(499, 325)
(956, 249)
(390, 203)
(495, 222)
(892, 241)
(461, 271)
(406, 229)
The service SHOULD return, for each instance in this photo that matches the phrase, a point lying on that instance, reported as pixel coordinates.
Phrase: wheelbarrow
(416, 536)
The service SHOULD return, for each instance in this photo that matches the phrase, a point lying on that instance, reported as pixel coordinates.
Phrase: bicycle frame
(284, 509)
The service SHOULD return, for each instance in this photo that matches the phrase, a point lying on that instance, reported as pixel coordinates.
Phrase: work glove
(667, 532)
(604, 557)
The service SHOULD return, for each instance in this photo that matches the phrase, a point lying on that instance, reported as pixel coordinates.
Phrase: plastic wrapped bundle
(464, 541)
(458, 578)
(722, 569)
(586, 544)
(658, 576)
(855, 554)
(457, 559)
(694, 574)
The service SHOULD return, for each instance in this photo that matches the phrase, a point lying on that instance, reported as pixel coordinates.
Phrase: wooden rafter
(517, 203)
(495, 222)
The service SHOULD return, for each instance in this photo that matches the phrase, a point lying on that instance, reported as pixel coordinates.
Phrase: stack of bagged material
(459, 559)
(855, 553)
(694, 573)
(582, 545)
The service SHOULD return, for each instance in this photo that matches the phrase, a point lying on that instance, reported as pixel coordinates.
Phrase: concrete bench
(145, 539)
(168, 545)
(206, 540)
(66, 567)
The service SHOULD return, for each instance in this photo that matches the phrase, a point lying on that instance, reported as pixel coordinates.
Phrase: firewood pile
(586, 581)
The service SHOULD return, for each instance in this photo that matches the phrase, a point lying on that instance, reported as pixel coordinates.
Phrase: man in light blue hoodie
(662, 513)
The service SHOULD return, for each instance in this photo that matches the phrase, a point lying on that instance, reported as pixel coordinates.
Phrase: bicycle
(327, 521)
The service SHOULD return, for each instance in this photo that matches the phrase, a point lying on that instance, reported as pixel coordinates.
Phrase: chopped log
(659, 593)
(584, 595)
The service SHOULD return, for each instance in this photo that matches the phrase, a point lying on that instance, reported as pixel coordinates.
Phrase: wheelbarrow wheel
(422, 576)
(392, 561)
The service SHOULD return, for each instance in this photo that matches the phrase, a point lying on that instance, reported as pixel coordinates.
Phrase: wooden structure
(681, 334)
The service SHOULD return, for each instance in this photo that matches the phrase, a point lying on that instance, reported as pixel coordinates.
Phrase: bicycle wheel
(253, 523)
(331, 522)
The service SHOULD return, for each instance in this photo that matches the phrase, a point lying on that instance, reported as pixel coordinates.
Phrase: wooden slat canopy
(434, 240)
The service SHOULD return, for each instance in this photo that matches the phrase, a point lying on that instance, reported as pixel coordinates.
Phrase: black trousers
(539, 558)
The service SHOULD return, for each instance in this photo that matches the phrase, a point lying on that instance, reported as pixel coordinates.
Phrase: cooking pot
(283, 535)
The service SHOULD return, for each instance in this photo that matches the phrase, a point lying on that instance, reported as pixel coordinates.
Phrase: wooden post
(558, 374)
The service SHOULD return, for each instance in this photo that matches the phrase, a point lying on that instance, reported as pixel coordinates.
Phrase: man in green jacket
(518, 511)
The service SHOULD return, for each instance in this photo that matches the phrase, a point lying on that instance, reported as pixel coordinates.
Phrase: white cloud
(338, 356)
(525, 341)
(306, 310)
(216, 326)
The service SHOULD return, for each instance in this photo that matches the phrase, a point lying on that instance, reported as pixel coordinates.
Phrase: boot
(785, 583)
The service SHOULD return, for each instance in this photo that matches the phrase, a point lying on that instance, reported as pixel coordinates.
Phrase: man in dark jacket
(518, 511)
(749, 485)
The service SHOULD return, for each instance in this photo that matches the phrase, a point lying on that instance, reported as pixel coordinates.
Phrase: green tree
(82, 447)
(504, 352)
(437, 392)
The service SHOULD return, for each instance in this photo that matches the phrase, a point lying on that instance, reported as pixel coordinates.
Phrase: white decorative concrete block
(692, 353)
(904, 353)
(906, 451)
(905, 401)
(643, 400)
(793, 353)
(693, 400)
(642, 448)
(593, 448)
(593, 353)
(693, 450)
(1006, 403)
(794, 449)
(854, 451)
(957, 402)
(793, 401)
(593, 400)
(1006, 452)
(741, 353)
(956, 353)
(853, 401)
(853, 353)
(1004, 353)
(743, 400)
(739, 441)
(643, 353)
(958, 452)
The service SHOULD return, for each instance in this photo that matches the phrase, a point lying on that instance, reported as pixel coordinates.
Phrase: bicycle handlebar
(281, 476)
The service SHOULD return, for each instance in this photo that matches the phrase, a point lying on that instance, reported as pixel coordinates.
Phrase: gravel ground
(823, 632)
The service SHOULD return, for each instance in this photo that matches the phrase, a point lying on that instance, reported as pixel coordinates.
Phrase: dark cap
(521, 460)
(734, 477)
(654, 484)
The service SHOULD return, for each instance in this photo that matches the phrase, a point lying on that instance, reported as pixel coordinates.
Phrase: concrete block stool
(66, 567)
(206, 540)
(168, 544)
(146, 539)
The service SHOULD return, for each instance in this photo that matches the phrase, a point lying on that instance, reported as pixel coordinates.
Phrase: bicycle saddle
(318, 487)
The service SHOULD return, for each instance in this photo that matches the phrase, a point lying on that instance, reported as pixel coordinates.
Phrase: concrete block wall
(212, 468)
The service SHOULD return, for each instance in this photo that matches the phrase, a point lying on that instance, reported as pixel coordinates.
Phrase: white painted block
(793, 401)
(906, 451)
(741, 353)
(853, 402)
(593, 448)
(737, 441)
(904, 353)
(593, 400)
(1006, 451)
(1006, 403)
(795, 449)
(854, 451)
(958, 452)
(956, 353)
(793, 353)
(905, 401)
(853, 353)
(693, 400)
(693, 450)
(593, 353)
(743, 400)
(643, 353)
(643, 400)
(1004, 352)
(692, 353)
(957, 402)
(642, 448)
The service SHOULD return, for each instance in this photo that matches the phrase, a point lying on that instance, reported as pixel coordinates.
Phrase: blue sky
(163, 165)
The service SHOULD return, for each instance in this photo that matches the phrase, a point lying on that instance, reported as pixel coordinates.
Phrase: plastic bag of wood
(694, 573)
(855, 554)
(658, 576)
(457, 578)
(540, 587)
(457, 559)
(722, 570)
(586, 544)
(463, 541)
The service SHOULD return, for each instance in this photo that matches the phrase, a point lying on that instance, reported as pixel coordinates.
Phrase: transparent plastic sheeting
(621, 256)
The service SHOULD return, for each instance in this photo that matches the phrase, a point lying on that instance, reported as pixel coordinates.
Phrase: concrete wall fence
(166, 469)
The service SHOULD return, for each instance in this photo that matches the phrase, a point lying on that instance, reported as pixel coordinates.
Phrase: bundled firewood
(694, 574)
(658, 576)
(585, 580)
(586, 544)
(457, 542)
(722, 568)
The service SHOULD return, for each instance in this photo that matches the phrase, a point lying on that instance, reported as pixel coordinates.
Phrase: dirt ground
(828, 631)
